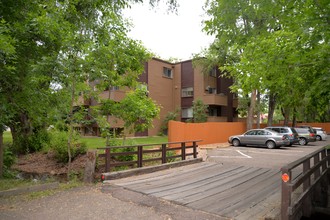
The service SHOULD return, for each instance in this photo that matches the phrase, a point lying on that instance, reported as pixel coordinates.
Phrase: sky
(170, 35)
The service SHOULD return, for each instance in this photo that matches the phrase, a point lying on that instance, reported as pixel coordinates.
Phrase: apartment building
(175, 86)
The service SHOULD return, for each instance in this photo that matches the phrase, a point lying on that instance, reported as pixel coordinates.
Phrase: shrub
(38, 141)
(116, 142)
(8, 160)
(59, 143)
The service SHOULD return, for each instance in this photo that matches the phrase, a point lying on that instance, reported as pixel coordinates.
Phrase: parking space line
(286, 153)
(243, 154)
(217, 156)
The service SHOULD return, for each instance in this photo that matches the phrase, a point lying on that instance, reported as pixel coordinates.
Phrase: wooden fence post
(164, 159)
(307, 203)
(183, 151)
(140, 156)
(286, 193)
(90, 166)
(107, 160)
(195, 149)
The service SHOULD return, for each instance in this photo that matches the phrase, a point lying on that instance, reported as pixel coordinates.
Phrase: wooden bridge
(237, 191)
(234, 192)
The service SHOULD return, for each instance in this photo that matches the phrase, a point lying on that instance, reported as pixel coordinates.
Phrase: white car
(320, 134)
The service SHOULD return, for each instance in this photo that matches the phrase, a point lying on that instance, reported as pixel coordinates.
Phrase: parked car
(305, 136)
(290, 131)
(320, 134)
(260, 137)
(310, 128)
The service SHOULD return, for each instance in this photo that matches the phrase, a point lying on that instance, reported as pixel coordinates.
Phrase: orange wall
(209, 132)
(214, 132)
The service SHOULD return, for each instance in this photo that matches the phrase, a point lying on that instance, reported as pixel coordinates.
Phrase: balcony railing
(215, 99)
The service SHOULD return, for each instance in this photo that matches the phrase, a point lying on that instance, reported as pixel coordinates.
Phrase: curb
(144, 170)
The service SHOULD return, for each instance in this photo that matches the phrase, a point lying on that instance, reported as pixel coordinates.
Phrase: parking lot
(262, 157)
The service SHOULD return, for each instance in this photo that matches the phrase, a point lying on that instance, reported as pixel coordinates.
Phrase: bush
(117, 142)
(38, 141)
(59, 144)
(8, 160)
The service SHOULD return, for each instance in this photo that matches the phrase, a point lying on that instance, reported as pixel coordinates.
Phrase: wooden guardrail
(300, 180)
(140, 151)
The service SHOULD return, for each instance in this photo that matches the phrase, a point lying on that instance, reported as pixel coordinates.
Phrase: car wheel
(271, 144)
(318, 138)
(302, 141)
(236, 142)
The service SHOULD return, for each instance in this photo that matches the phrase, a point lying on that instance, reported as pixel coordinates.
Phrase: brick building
(175, 86)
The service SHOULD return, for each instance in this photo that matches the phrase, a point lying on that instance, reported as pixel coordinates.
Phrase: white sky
(170, 35)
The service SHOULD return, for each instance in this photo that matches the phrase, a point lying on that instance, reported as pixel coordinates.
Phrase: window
(213, 112)
(213, 72)
(167, 72)
(212, 90)
(187, 92)
(187, 113)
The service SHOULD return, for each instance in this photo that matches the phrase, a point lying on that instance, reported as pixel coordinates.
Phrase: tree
(264, 47)
(48, 47)
(171, 116)
(137, 110)
(199, 111)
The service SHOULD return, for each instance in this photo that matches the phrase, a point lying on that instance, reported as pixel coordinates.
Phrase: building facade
(174, 86)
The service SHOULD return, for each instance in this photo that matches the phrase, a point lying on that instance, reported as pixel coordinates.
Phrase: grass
(6, 184)
(7, 137)
(95, 142)
(13, 183)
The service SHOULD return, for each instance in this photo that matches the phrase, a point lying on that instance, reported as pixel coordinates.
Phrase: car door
(260, 137)
(248, 138)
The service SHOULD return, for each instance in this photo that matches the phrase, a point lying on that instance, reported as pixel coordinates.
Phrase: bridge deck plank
(230, 191)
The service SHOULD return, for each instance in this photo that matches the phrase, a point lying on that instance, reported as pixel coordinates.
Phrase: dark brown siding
(187, 80)
(144, 76)
(223, 84)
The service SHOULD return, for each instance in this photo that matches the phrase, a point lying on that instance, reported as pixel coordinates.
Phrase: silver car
(320, 134)
(260, 137)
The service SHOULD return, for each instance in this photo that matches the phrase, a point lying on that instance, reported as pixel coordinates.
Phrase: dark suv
(289, 131)
(305, 136)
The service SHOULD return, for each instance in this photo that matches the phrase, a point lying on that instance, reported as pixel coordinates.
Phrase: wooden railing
(301, 184)
(180, 149)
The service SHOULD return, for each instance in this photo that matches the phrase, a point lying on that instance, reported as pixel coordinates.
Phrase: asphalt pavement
(97, 202)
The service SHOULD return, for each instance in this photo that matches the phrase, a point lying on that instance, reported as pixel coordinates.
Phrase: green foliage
(118, 142)
(170, 116)
(277, 48)
(199, 111)
(8, 160)
(8, 157)
(59, 144)
(170, 154)
(137, 110)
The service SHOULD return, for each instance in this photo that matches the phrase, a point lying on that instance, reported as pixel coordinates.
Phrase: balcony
(216, 119)
(215, 99)
(116, 95)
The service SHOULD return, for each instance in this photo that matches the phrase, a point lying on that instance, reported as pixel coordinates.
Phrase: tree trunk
(71, 127)
(21, 132)
(286, 115)
(294, 118)
(258, 109)
(271, 109)
(1, 150)
(249, 122)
